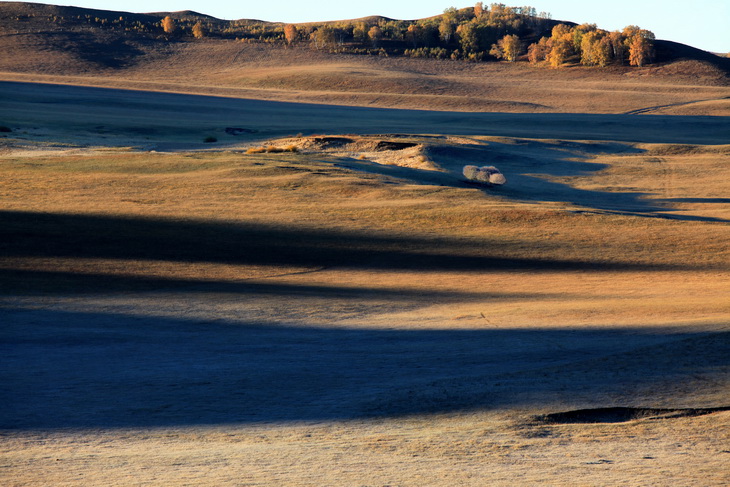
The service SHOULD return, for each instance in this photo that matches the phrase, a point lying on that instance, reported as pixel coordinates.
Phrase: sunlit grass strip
(271, 149)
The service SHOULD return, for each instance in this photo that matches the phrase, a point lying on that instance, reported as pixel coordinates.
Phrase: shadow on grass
(114, 52)
(135, 368)
(64, 369)
(48, 235)
(719, 201)
(28, 104)
(530, 168)
(34, 282)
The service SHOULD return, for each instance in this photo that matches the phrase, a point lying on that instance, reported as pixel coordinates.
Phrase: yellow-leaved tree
(198, 31)
(641, 48)
(561, 44)
(375, 34)
(595, 48)
(168, 25)
(508, 48)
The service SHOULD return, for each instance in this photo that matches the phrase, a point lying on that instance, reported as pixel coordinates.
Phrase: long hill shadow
(72, 110)
(65, 369)
(49, 235)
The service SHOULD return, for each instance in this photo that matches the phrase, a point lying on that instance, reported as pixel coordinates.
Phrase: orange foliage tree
(168, 25)
(641, 48)
(375, 34)
(539, 51)
(290, 33)
(198, 31)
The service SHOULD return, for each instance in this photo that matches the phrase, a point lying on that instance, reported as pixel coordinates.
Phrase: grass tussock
(270, 149)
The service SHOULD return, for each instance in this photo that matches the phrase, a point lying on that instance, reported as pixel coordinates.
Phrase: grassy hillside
(99, 48)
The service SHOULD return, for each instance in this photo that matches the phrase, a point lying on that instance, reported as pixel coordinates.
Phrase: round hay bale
(482, 176)
(497, 178)
(470, 172)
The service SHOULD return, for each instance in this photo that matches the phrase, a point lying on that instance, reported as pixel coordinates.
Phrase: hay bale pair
(484, 174)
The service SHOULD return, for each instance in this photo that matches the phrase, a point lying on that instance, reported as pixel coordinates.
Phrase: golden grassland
(466, 449)
(270, 309)
(637, 255)
(234, 69)
(173, 234)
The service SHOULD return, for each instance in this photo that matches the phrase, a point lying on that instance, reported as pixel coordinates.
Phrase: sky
(704, 24)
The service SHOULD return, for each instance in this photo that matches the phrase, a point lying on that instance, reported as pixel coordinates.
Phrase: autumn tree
(375, 34)
(393, 29)
(290, 33)
(446, 31)
(561, 45)
(539, 51)
(478, 10)
(641, 48)
(447, 26)
(414, 34)
(468, 37)
(561, 30)
(322, 37)
(602, 52)
(630, 31)
(578, 33)
(508, 48)
(504, 19)
(198, 31)
(168, 25)
(587, 48)
(360, 32)
(618, 47)
(422, 34)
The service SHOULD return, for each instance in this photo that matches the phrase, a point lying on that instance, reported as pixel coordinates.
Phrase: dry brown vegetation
(298, 73)
(341, 307)
(272, 73)
(314, 241)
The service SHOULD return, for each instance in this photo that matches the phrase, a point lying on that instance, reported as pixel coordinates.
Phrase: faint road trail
(641, 111)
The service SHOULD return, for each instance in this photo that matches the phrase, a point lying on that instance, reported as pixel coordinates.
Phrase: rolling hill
(127, 50)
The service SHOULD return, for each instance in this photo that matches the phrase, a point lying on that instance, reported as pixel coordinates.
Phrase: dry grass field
(234, 69)
(355, 313)
(315, 318)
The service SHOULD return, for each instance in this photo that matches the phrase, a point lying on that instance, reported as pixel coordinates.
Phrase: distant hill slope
(669, 51)
(34, 14)
(74, 27)
(108, 48)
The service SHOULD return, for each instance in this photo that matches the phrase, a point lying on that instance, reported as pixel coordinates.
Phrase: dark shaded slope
(26, 13)
(669, 51)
